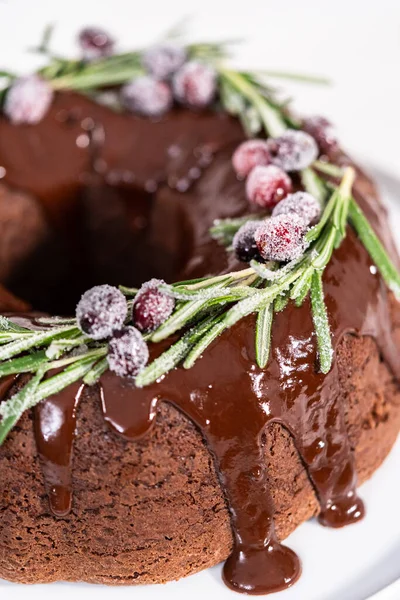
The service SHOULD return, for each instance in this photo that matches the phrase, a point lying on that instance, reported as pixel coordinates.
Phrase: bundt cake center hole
(109, 235)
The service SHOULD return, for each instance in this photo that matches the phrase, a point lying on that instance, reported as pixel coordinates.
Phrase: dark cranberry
(128, 353)
(95, 43)
(281, 238)
(147, 96)
(28, 100)
(322, 132)
(250, 154)
(302, 204)
(195, 84)
(151, 306)
(101, 311)
(244, 244)
(266, 186)
(293, 150)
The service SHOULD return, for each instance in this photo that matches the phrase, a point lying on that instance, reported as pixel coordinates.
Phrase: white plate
(364, 559)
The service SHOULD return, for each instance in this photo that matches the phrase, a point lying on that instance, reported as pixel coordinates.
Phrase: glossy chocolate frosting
(148, 193)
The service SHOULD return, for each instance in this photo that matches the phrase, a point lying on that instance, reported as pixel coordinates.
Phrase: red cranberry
(151, 306)
(266, 186)
(101, 311)
(243, 242)
(322, 132)
(195, 84)
(250, 154)
(95, 43)
(293, 150)
(163, 60)
(302, 204)
(147, 96)
(281, 238)
(128, 353)
(28, 100)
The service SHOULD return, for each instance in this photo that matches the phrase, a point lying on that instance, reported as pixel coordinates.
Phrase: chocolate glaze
(225, 394)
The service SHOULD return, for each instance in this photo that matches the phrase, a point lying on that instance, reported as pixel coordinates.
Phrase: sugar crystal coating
(95, 43)
(101, 311)
(28, 100)
(293, 150)
(195, 84)
(281, 238)
(302, 204)
(128, 353)
(151, 306)
(163, 60)
(250, 154)
(243, 242)
(266, 186)
(147, 96)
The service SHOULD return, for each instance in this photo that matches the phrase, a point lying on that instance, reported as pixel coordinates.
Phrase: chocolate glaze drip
(55, 422)
(225, 394)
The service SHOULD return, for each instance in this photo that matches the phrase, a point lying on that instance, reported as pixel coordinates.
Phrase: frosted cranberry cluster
(266, 164)
(102, 313)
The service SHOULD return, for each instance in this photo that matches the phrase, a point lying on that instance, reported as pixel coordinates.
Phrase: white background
(356, 43)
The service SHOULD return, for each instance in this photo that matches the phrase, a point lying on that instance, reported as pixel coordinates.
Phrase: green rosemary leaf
(329, 169)
(313, 233)
(64, 344)
(231, 100)
(321, 323)
(233, 315)
(271, 117)
(375, 248)
(302, 280)
(251, 121)
(35, 340)
(314, 185)
(302, 78)
(263, 334)
(8, 326)
(23, 364)
(96, 372)
(181, 317)
(87, 80)
(323, 251)
(303, 292)
(223, 230)
(12, 409)
(281, 302)
(58, 382)
(213, 293)
(127, 291)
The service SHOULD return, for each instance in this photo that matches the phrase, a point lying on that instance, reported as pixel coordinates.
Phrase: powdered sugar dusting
(128, 353)
(101, 311)
(28, 100)
(302, 204)
(293, 150)
(147, 96)
(152, 306)
(281, 238)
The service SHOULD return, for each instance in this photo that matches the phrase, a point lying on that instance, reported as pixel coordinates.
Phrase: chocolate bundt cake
(122, 484)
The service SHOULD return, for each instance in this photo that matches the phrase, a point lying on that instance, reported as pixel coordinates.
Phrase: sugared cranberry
(101, 311)
(147, 96)
(95, 43)
(243, 242)
(195, 84)
(281, 238)
(28, 100)
(163, 60)
(293, 150)
(151, 306)
(322, 132)
(266, 186)
(250, 154)
(128, 353)
(301, 204)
